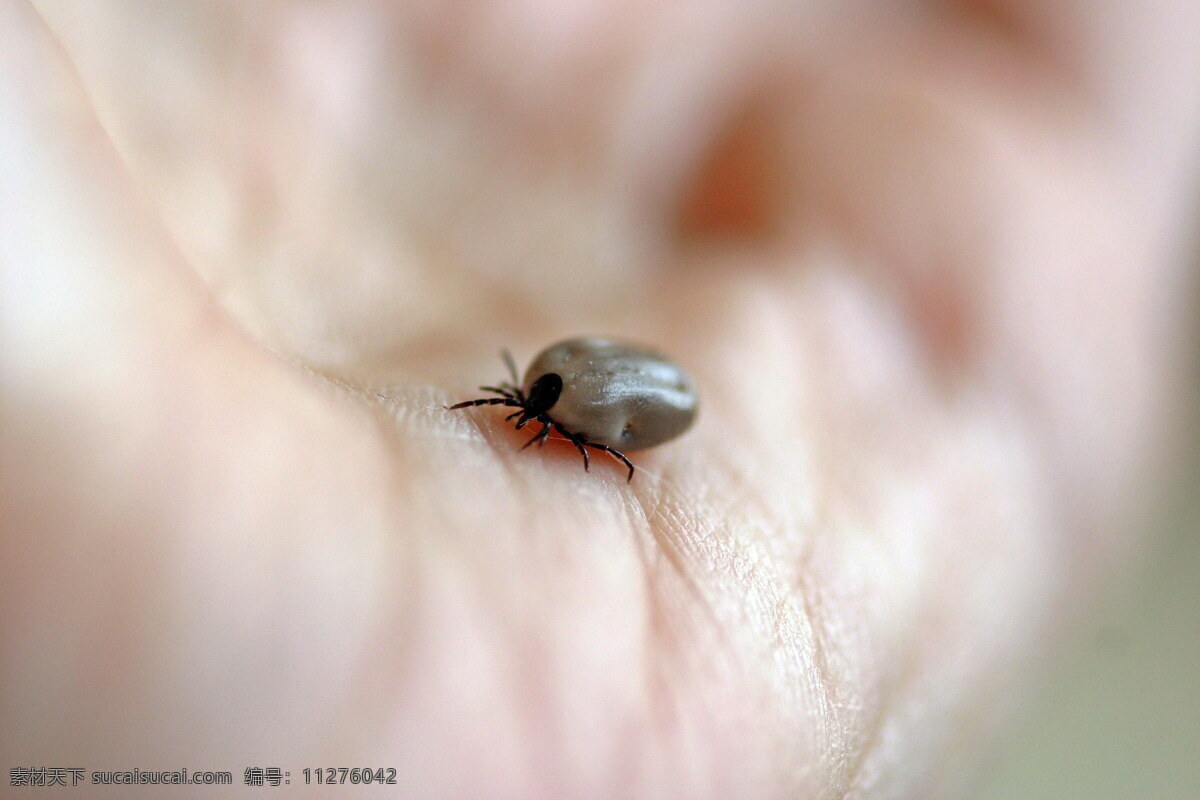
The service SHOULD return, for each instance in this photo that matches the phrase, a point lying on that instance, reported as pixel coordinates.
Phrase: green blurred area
(1119, 717)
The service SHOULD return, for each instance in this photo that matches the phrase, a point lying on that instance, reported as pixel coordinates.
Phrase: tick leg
(540, 435)
(583, 451)
(515, 414)
(616, 454)
(578, 442)
(512, 365)
(514, 391)
(486, 401)
(498, 390)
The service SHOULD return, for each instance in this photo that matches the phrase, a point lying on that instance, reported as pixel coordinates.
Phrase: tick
(600, 394)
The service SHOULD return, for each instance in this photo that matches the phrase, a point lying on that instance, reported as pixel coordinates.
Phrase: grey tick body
(615, 393)
(600, 393)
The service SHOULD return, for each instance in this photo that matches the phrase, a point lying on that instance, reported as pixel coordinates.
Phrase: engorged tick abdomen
(616, 393)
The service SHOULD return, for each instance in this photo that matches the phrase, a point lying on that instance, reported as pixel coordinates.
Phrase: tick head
(544, 394)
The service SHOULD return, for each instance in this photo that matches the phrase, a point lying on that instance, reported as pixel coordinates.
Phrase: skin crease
(919, 259)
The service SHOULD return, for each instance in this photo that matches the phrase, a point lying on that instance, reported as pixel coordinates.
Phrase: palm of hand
(243, 487)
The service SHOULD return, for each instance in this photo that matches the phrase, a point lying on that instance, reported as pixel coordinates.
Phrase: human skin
(922, 262)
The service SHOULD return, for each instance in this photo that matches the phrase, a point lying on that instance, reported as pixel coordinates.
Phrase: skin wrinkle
(664, 643)
(865, 740)
(802, 639)
(758, 578)
(819, 642)
(840, 702)
(870, 741)
(788, 631)
(202, 306)
(660, 523)
(532, 683)
(490, 428)
(901, 692)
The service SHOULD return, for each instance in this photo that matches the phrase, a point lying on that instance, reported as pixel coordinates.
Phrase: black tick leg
(485, 401)
(540, 436)
(615, 454)
(578, 442)
(498, 390)
(512, 366)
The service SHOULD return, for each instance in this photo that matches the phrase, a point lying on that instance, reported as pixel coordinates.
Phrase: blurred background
(1117, 716)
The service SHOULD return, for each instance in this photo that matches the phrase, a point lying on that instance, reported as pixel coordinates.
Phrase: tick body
(600, 394)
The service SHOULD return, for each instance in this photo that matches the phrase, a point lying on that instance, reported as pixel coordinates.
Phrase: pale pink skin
(250, 250)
